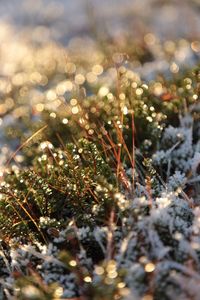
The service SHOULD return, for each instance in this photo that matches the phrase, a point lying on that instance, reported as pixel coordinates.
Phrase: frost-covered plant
(61, 185)
(113, 215)
(177, 148)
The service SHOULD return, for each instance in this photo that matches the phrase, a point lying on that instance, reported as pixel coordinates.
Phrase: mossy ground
(100, 182)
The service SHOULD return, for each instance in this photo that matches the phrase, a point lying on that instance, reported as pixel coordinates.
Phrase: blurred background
(66, 18)
(50, 50)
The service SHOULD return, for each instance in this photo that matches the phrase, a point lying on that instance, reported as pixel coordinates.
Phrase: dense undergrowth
(100, 198)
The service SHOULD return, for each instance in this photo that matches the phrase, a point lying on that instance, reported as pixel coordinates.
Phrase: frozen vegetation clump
(100, 198)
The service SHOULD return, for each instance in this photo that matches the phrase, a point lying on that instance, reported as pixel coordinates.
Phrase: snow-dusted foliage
(153, 246)
(100, 198)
